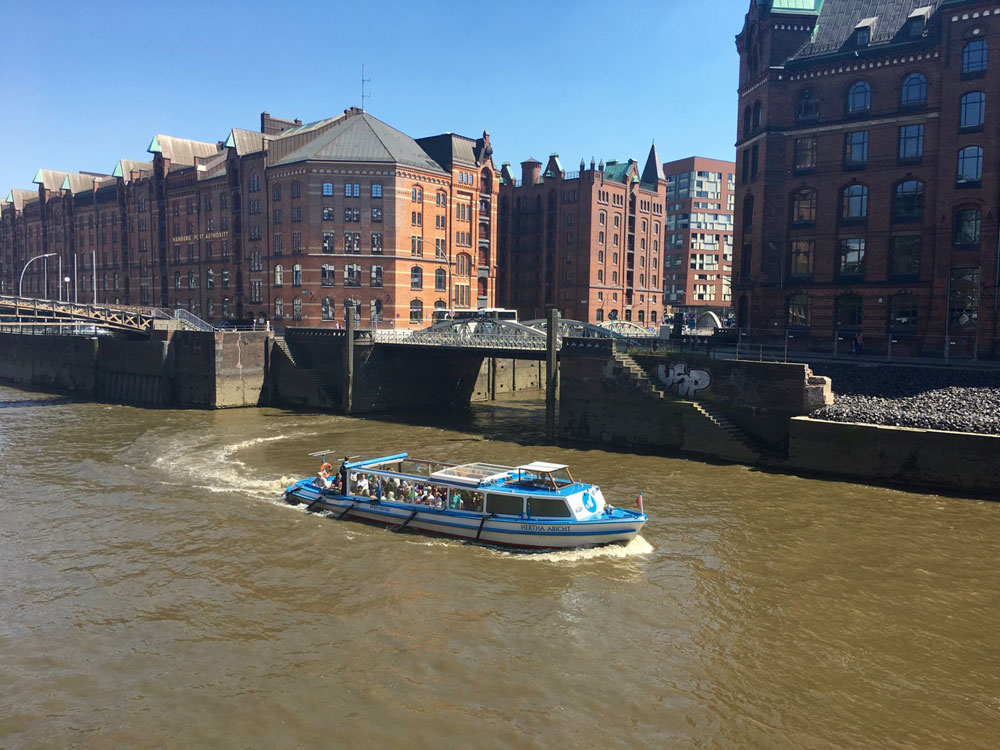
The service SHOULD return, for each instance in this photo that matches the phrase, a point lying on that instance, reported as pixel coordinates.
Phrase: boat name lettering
(539, 527)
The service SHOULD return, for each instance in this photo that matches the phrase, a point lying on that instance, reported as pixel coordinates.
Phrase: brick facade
(588, 243)
(286, 224)
(864, 203)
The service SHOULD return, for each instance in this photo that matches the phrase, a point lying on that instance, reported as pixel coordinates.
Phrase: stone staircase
(716, 428)
(637, 374)
(279, 341)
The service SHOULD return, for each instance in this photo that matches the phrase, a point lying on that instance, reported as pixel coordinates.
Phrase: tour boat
(537, 505)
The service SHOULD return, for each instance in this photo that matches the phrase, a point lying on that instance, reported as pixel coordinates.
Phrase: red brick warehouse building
(586, 242)
(868, 169)
(698, 244)
(288, 223)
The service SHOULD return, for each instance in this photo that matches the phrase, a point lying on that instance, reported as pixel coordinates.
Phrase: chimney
(531, 172)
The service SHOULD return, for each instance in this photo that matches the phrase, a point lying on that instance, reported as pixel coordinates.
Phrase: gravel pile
(927, 397)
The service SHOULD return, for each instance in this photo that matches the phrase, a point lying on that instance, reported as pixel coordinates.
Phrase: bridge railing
(460, 340)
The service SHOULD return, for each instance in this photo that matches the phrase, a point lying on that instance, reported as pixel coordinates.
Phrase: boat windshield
(544, 475)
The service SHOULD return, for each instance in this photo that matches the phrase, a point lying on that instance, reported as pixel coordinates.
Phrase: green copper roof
(796, 6)
(230, 141)
(117, 170)
(154, 146)
(38, 179)
(65, 184)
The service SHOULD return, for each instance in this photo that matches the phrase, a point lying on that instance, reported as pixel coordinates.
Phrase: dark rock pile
(909, 396)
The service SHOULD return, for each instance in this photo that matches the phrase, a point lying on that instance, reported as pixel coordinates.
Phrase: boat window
(504, 505)
(548, 507)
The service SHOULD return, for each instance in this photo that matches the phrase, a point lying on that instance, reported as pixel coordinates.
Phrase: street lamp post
(20, 282)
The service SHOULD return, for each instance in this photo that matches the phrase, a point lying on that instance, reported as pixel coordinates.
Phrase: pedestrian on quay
(859, 344)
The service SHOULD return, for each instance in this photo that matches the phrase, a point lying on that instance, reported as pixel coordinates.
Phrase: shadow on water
(35, 402)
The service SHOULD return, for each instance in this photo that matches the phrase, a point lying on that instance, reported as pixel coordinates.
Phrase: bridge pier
(348, 386)
(551, 373)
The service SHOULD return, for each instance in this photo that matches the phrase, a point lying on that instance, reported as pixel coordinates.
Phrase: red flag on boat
(638, 501)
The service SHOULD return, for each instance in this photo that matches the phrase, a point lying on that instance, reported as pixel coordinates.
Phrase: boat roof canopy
(473, 474)
(542, 467)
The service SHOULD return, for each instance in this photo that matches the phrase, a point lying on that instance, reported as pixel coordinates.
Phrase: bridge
(42, 314)
(503, 338)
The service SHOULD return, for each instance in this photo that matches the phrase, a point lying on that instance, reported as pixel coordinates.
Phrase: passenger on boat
(362, 487)
(456, 502)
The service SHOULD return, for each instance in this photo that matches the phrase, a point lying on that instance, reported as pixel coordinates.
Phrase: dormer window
(916, 22)
(864, 30)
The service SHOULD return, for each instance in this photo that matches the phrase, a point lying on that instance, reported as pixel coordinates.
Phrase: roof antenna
(363, 82)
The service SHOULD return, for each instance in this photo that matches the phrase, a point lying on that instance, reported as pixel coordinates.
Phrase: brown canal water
(155, 593)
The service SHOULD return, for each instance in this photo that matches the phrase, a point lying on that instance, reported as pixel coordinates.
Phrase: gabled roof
(245, 141)
(180, 150)
(361, 137)
(124, 167)
(838, 20)
(18, 197)
(75, 182)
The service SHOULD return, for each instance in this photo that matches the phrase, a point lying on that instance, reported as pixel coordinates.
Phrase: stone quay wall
(172, 368)
(951, 461)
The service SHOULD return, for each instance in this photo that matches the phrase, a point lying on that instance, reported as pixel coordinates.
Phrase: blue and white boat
(538, 505)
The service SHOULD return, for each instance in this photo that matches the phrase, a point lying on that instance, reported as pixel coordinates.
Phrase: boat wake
(634, 548)
(218, 469)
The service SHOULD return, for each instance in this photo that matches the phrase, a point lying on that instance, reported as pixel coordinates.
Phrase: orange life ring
(325, 470)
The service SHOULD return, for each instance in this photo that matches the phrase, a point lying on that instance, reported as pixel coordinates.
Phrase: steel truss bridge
(29, 313)
(500, 336)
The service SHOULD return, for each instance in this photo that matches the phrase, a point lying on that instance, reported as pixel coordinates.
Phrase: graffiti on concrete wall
(686, 382)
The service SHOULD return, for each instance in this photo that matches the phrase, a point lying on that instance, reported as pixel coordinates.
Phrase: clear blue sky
(84, 84)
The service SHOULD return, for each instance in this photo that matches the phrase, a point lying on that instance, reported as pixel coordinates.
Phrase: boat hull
(523, 533)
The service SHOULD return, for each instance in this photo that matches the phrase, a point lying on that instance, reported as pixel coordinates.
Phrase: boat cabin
(537, 490)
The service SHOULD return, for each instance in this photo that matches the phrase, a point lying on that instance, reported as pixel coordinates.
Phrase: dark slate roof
(652, 173)
(838, 18)
(359, 137)
(448, 149)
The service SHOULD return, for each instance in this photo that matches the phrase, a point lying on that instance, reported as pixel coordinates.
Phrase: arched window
(855, 202)
(296, 308)
(328, 189)
(485, 181)
(804, 206)
(192, 280)
(797, 312)
(756, 116)
(375, 277)
(847, 312)
(209, 308)
(416, 278)
(329, 309)
(225, 307)
(970, 165)
(463, 264)
(416, 311)
(279, 308)
(972, 110)
(440, 280)
(914, 92)
(296, 275)
(801, 257)
(808, 105)
(974, 56)
(747, 122)
(279, 275)
(177, 279)
(903, 313)
(908, 200)
(859, 97)
(296, 190)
